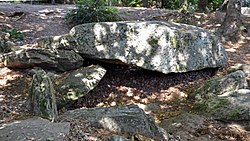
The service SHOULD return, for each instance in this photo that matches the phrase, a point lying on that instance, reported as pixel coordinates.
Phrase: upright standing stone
(42, 96)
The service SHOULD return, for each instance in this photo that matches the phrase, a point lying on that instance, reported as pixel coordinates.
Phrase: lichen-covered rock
(153, 45)
(37, 129)
(74, 85)
(221, 85)
(225, 98)
(129, 119)
(42, 96)
(232, 106)
(60, 60)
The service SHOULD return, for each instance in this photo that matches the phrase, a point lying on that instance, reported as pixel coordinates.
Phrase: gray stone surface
(185, 127)
(128, 119)
(232, 106)
(76, 84)
(60, 60)
(221, 85)
(153, 45)
(225, 98)
(37, 129)
(42, 96)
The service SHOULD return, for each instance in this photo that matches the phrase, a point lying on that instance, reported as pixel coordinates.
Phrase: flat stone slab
(59, 60)
(33, 129)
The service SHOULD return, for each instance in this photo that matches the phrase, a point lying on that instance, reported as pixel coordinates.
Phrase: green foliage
(88, 11)
(172, 4)
(14, 33)
(131, 3)
(214, 4)
(193, 4)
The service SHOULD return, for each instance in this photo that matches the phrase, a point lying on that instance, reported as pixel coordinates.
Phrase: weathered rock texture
(60, 60)
(160, 46)
(74, 85)
(42, 96)
(37, 129)
(233, 106)
(225, 98)
(187, 127)
(221, 85)
(128, 119)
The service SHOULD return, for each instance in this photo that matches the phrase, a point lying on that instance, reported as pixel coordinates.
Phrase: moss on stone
(233, 114)
(218, 103)
(175, 42)
(212, 106)
(153, 41)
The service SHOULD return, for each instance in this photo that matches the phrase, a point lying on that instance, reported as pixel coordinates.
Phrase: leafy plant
(88, 11)
(214, 4)
(131, 3)
(14, 33)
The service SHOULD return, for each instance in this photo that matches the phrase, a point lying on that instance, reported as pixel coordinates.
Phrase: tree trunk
(223, 7)
(184, 7)
(163, 3)
(53, 2)
(202, 5)
(232, 21)
(145, 3)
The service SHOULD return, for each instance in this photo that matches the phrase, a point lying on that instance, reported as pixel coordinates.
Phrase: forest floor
(121, 85)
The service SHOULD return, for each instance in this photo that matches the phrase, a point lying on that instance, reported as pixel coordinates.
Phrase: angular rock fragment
(76, 84)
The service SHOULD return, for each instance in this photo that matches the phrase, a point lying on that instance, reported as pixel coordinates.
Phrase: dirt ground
(121, 85)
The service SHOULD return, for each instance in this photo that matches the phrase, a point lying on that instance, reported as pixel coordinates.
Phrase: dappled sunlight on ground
(238, 52)
(13, 94)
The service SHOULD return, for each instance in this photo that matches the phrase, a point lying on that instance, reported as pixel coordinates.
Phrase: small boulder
(60, 60)
(186, 127)
(221, 85)
(76, 84)
(128, 119)
(225, 98)
(34, 129)
(42, 96)
(159, 46)
(232, 106)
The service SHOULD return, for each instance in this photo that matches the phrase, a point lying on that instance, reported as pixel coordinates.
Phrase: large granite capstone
(153, 45)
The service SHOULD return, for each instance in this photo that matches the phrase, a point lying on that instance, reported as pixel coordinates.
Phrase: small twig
(20, 17)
